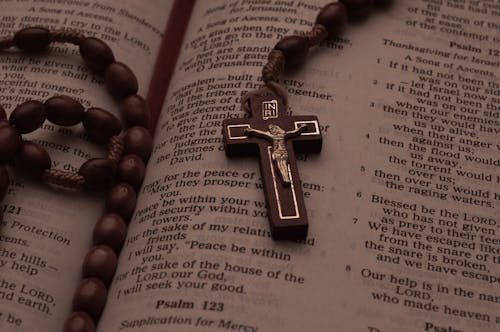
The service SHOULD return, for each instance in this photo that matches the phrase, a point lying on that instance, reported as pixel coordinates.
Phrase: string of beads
(121, 171)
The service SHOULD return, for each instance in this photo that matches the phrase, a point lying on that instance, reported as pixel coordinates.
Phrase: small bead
(33, 159)
(64, 111)
(4, 182)
(34, 39)
(79, 322)
(110, 230)
(131, 170)
(101, 125)
(96, 54)
(90, 297)
(333, 17)
(294, 48)
(120, 80)
(357, 9)
(10, 142)
(3, 114)
(122, 200)
(98, 173)
(135, 111)
(138, 140)
(28, 116)
(100, 262)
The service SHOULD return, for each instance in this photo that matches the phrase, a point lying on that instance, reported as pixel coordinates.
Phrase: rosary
(268, 131)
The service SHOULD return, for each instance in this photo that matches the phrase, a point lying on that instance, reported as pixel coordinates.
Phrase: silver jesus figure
(277, 136)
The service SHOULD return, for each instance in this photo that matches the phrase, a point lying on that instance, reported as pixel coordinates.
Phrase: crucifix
(275, 136)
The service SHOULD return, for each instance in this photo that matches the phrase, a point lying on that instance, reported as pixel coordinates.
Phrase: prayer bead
(135, 112)
(120, 80)
(110, 230)
(64, 111)
(28, 116)
(122, 200)
(131, 170)
(32, 39)
(100, 262)
(333, 17)
(138, 141)
(90, 297)
(79, 322)
(10, 141)
(98, 173)
(357, 9)
(294, 48)
(32, 158)
(101, 124)
(4, 181)
(96, 54)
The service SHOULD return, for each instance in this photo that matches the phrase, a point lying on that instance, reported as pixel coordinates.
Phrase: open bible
(403, 201)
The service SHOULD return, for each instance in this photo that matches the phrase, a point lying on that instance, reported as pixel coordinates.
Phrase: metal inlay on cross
(275, 136)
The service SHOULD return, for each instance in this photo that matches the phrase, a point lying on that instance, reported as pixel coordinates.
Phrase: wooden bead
(64, 111)
(90, 297)
(34, 39)
(3, 114)
(100, 262)
(101, 124)
(135, 111)
(96, 54)
(10, 142)
(138, 140)
(357, 9)
(333, 17)
(28, 116)
(33, 159)
(79, 322)
(294, 48)
(122, 200)
(4, 182)
(131, 170)
(120, 80)
(98, 173)
(110, 230)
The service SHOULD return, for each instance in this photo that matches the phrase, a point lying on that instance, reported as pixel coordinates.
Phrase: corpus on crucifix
(275, 137)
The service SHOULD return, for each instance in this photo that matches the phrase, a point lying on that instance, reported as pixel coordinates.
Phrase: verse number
(213, 306)
(493, 52)
(12, 209)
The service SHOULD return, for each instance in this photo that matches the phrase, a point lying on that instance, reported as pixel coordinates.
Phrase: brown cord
(316, 35)
(67, 180)
(67, 36)
(115, 148)
(274, 67)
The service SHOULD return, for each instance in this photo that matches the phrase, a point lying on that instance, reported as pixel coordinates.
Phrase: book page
(402, 201)
(45, 233)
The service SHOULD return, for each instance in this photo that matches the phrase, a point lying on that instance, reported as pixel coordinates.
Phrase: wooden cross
(275, 136)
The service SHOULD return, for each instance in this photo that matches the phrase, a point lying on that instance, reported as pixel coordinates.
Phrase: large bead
(33, 159)
(357, 9)
(135, 111)
(98, 173)
(100, 262)
(28, 116)
(96, 54)
(333, 17)
(294, 48)
(64, 111)
(110, 230)
(90, 297)
(4, 182)
(138, 140)
(79, 322)
(101, 124)
(34, 39)
(131, 170)
(122, 200)
(120, 80)
(10, 141)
